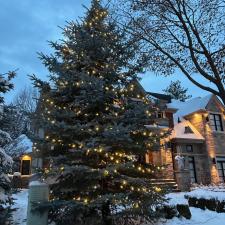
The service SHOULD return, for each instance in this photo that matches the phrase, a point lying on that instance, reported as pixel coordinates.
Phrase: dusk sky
(27, 25)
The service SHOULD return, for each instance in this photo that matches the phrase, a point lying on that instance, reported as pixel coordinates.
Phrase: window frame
(191, 161)
(215, 121)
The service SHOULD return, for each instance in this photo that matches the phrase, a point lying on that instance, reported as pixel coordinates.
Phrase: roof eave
(197, 111)
(187, 140)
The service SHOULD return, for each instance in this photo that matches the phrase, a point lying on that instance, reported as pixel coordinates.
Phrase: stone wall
(200, 159)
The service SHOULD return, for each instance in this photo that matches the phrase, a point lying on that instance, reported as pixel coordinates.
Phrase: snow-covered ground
(21, 200)
(199, 216)
(209, 192)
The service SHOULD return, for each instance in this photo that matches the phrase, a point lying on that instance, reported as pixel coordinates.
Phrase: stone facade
(214, 145)
(202, 158)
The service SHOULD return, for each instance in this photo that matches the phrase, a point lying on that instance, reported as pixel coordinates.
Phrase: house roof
(179, 132)
(160, 96)
(190, 106)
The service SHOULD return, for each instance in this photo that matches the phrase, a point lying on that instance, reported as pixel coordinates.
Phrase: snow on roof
(190, 106)
(179, 131)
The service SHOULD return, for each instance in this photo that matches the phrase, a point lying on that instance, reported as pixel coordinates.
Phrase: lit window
(216, 122)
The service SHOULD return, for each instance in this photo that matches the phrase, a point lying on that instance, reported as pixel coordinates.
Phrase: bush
(220, 207)
(211, 204)
(184, 211)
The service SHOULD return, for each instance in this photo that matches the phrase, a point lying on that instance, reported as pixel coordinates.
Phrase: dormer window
(188, 130)
(215, 122)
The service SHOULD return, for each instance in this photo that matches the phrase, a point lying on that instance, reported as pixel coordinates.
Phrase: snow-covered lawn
(199, 216)
(21, 200)
(209, 192)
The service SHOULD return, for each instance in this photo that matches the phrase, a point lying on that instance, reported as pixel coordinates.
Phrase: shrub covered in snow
(5, 199)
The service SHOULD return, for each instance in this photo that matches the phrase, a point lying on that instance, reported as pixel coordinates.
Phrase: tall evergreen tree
(94, 120)
(176, 91)
(5, 160)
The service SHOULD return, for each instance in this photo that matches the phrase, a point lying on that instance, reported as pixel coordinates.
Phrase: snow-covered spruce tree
(94, 122)
(5, 160)
(13, 121)
(176, 91)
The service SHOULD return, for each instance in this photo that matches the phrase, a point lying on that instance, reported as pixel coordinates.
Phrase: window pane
(219, 125)
(189, 148)
(211, 116)
(191, 166)
(219, 166)
(212, 122)
(217, 117)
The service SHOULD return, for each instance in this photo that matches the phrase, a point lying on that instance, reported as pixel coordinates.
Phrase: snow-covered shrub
(5, 198)
(5, 167)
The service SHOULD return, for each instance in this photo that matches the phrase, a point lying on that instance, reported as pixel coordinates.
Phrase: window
(159, 115)
(221, 168)
(189, 148)
(192, 170)
(188, 130)
(216, 122)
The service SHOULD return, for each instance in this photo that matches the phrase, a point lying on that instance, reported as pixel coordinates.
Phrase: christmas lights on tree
(94, 119)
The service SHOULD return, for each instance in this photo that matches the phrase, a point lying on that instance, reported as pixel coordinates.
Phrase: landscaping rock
(184, 211)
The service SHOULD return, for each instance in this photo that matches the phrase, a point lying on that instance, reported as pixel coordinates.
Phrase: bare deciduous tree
(27, 100)
(188, 35)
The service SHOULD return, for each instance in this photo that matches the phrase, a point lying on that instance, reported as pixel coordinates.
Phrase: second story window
(189, 148)
(216, 122)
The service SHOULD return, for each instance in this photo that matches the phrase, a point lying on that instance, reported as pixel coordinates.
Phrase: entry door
(221, 170)
(25, 167)
(192, 169)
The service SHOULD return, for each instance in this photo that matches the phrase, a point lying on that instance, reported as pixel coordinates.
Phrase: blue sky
(27, 25)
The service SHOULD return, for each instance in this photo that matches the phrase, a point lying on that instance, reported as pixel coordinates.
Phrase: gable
(186, 131)
(214, 105)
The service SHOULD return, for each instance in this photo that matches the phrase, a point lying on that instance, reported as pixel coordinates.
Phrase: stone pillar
(38, 193)
(183, 180)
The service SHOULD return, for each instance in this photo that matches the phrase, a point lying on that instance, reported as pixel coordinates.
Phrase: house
(199, 137)
(194, 152)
